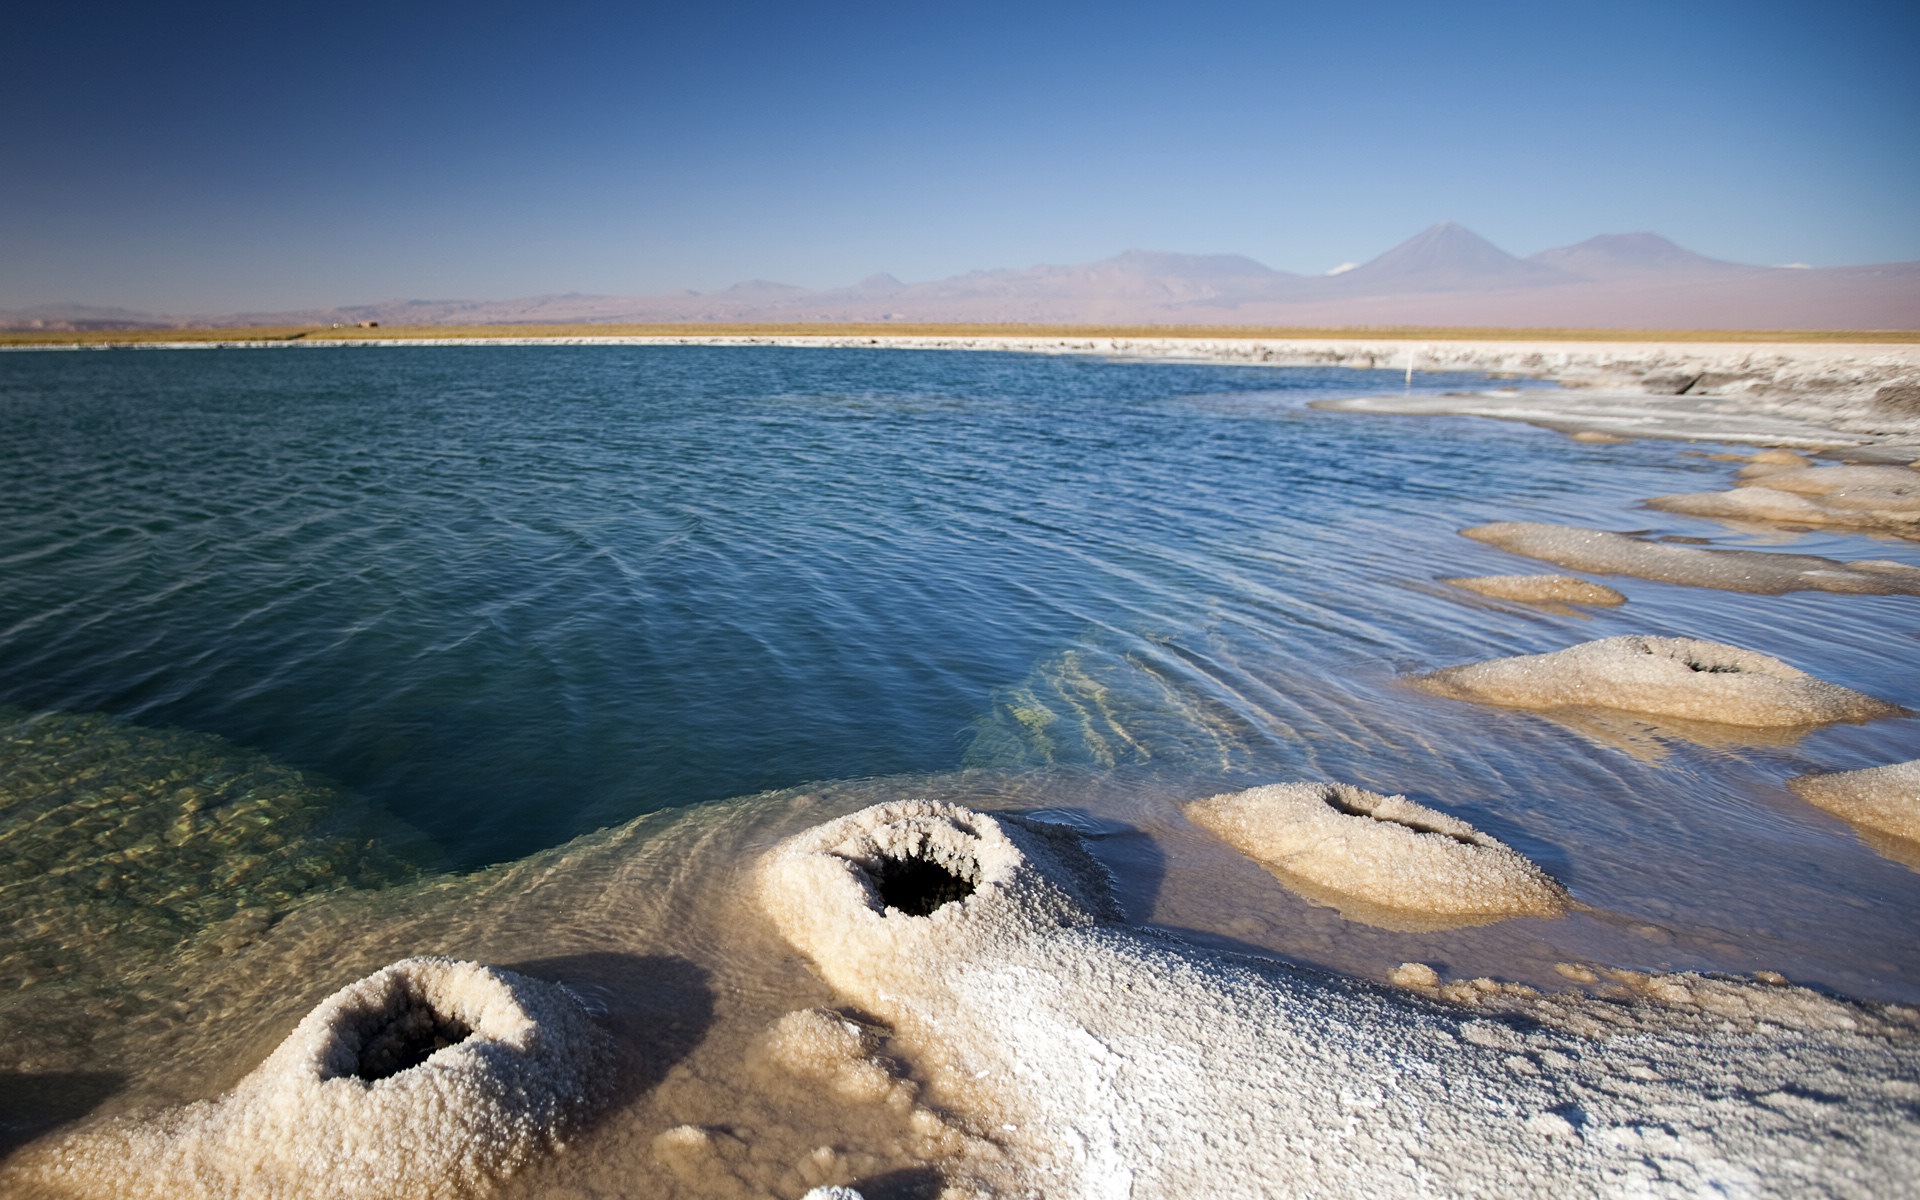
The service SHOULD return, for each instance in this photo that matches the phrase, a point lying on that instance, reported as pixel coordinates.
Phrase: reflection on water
(512, 595)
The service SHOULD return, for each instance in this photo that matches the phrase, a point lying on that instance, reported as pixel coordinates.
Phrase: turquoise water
(519, 593)
(511, 595)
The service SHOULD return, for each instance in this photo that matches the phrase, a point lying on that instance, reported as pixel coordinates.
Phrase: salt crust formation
(1121, 1062)
(1381, 850)
(1540, 589)
(428, 1078)
(1660, 676)
(1883, 499)
(1883, 799)
(1758, 571)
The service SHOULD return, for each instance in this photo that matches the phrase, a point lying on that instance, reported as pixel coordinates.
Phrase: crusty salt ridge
(1661, 676)
(1540, 589)
(1885, 800)
(1884, 499)
(1384, 851)
(1118, 1062)
(1606, 553)
(429, 1077)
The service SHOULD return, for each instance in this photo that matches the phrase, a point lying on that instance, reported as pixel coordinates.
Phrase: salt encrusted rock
(1763, 572)
(1112, 1061)
(430, 1077)
(1540, 589)
(1885, 800)
(1383, 851)
(1660, 676)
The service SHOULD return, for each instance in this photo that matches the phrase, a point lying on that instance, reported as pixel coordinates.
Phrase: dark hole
(916, 886)
(1338, 804)
(1713, 668)
(1334, 802)
(402, 1036)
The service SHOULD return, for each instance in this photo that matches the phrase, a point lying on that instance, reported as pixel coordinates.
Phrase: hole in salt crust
(402, 1035)
(917, 886)
(1713, 668)
(1701, 666)
(1335, 802)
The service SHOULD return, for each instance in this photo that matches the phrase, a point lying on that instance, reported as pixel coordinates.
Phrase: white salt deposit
(1606, 553)
(1384, 851)
(428, 1078)
(1540, 589)
(1885, 800)
(1113, 1062)
(1660, 676)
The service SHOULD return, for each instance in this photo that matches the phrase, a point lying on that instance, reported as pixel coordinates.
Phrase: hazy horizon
(219, 159)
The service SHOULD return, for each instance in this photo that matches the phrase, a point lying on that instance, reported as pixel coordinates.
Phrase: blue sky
(208, 157)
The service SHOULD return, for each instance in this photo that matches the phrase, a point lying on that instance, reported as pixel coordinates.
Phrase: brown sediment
(1762, 572)
(1365, 852)
(1673, 677)
(1540, 589)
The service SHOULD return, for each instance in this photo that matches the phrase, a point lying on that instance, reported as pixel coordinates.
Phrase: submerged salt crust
(429, 1078)
(1607, 553)
(1388, 852)
(1661, 676)
(1118, 1062)
(1540, 589)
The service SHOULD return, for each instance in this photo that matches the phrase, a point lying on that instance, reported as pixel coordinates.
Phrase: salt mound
(1883, 799)
(1112, 1061)
(1898, 484)
(1381, 850)
(1661, 676)
(1880, 498)
(1605, 553)
(1540, 589)
(428, 1078)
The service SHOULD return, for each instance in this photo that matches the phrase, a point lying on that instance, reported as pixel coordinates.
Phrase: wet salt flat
(315, 660)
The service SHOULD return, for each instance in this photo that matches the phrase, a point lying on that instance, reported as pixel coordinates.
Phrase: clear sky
(197, 157)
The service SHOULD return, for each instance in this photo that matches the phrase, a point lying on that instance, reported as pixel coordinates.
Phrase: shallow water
(436, 608)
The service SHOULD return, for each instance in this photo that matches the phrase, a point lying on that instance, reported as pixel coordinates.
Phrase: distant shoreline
(889, 332)
(1855, 391)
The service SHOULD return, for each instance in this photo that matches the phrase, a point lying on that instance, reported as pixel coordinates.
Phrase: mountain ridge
(1444, 275)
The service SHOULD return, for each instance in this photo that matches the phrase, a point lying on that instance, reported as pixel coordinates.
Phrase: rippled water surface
(366, 621)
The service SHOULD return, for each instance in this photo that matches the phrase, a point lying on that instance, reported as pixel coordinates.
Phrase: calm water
(458, 605)
(515, 594)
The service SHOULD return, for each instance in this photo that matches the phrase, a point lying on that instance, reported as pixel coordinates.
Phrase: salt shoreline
(1862, 399)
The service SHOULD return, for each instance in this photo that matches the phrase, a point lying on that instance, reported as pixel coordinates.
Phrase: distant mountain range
(1445, 275)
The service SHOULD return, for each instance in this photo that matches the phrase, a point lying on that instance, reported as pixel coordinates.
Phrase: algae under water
(319, 659)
